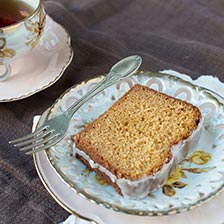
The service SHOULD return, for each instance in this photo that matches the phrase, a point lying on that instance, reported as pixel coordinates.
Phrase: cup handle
(6, 74)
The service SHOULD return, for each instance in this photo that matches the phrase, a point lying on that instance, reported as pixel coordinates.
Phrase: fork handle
(124, 68)
(97, 89)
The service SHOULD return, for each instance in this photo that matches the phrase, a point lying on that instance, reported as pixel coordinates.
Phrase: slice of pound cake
(136, 144)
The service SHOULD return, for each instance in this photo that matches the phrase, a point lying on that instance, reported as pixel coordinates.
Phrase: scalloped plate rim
(135, 211)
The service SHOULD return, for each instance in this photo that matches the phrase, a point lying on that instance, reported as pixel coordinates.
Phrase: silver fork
(53, 130)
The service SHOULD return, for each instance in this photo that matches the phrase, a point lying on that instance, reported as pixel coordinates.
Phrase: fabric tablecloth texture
(183, 35)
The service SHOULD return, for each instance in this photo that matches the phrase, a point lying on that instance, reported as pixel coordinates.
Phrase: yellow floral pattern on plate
(198, 158)
(100, 180)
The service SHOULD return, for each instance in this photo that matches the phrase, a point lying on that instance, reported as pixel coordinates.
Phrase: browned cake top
(134, 137)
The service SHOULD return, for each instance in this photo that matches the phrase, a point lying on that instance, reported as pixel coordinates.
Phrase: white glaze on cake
(140, 188)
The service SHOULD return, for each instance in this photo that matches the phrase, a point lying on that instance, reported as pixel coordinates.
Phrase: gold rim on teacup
(20, 37)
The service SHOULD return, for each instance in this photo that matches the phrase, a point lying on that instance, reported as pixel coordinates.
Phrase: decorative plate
(196, 179)
(41, 67)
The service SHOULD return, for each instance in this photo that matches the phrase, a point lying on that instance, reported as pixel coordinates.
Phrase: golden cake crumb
(133, 138)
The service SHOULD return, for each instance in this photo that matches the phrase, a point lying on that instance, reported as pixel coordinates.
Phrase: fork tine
(37, 131)
(43, 148)
(44, 134)
(39, 143)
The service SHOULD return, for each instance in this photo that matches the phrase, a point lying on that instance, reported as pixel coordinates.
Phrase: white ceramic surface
(194, 181)
(41, 67)
(64, 195)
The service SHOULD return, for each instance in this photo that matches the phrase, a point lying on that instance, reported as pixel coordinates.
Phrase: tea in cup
(21, 26)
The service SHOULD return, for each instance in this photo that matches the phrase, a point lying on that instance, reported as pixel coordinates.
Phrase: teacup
(18, 38)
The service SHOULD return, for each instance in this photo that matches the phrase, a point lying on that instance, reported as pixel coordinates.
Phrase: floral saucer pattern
(196, 180)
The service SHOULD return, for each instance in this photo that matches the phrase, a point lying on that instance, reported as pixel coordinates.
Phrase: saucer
(41, 67)
(203, 180)
(193, 182)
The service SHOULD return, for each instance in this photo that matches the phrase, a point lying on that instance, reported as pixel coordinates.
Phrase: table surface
(183, 35)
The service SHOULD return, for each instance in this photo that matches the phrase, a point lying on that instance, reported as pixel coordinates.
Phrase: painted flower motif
(86, 172)
(200, 157)
(168, 190)
(176, 175)
(173, 182)
(83, 125)
(37, 28)
(198, 170)
(100, 180)
(5, 52)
